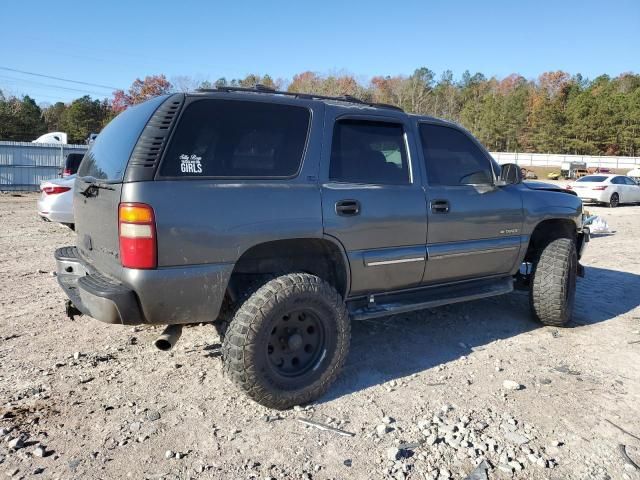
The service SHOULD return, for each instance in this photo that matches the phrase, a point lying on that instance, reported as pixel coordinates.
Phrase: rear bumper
(170, 295)
(94, 294)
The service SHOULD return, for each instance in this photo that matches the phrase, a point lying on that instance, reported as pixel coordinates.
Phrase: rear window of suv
(108, 156)
(237, 139)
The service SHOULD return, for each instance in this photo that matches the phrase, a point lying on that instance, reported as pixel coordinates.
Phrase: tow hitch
(71, 310)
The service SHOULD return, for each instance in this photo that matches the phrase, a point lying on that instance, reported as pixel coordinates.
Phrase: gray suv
(282, 217)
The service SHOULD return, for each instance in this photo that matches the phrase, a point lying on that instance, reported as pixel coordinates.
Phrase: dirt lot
(424, 394)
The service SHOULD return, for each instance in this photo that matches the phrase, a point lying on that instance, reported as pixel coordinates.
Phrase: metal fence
(24, 165)
(555, 160)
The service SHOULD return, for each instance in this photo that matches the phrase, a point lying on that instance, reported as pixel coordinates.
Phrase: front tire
(288, 341)
(553, 286)
(614, 201)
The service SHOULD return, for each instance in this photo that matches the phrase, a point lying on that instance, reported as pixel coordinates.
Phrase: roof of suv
(345, 101)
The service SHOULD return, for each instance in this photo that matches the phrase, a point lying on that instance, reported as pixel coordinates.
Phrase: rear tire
(614, 201)
(288, 341)
(553, 284)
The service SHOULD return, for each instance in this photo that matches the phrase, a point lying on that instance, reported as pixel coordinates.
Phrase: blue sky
(112, 42)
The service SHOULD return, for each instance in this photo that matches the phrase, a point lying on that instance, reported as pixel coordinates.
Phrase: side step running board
(429, 297)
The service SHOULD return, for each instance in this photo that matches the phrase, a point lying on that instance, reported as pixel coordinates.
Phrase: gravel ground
(427, 395)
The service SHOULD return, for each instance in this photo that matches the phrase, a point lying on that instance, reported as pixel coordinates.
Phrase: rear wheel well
(545, 232)
(318, 257)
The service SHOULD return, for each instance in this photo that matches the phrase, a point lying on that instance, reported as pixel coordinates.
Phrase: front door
(474, 226)
(373, 202)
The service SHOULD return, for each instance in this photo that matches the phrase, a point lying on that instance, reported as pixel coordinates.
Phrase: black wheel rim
(614, 200)
(296, 343)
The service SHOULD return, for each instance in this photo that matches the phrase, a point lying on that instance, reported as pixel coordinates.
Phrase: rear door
(474, 226)
(372, 200)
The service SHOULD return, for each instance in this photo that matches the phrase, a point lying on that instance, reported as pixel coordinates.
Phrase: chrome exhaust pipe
(169, 337)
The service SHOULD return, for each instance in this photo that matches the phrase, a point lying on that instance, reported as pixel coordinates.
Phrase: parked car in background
(609, 189)
(56, 200)
(71, 164)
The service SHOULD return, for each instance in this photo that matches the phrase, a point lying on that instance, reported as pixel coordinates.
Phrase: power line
(15, 80)
(59, 78)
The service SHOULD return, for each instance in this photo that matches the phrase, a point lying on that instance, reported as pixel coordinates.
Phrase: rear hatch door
(99, 184)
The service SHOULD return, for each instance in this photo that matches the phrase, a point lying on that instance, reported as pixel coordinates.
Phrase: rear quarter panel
(203, 221)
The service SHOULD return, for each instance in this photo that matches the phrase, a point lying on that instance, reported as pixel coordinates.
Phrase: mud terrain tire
(553, 286)
(288, 341)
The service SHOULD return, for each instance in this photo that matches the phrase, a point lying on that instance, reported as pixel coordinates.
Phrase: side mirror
(510, 174)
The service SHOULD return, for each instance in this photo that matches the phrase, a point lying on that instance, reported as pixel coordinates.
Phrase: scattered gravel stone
(17, 443)
(169, 454)
(516, 438)
(387, 420)
(153, 415)
(382, 429)
(394, 453)
(511, 385)
(39, 451)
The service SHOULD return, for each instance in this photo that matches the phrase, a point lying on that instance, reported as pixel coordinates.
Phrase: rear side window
(369, 152)
(452, 158)
(618, 180)
(227, 138)
(108, 156)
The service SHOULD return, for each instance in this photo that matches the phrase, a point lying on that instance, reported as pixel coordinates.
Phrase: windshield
(593, 178)
(108, 156)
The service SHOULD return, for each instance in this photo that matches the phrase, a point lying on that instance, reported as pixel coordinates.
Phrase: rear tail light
(137, 232)
(66, 172)
(603, 187)
(569, 187)
(53, 190)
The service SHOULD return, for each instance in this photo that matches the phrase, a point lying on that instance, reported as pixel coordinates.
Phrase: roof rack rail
(259, 88)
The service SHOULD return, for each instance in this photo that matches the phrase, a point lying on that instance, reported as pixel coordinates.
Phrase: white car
(56, 200)
(610, 189)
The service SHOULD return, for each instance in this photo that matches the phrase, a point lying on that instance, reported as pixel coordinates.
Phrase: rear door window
(108, 156)
(452, 158)
(618, 181)
(369, 152)
(230, 138)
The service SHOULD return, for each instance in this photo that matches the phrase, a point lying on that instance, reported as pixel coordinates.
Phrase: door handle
(347, 208)
(440, 206)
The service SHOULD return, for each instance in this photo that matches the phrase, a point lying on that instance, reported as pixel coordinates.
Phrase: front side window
(227, 138)
(369, 152)
(452, 158)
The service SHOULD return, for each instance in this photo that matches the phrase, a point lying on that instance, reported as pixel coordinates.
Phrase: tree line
(555, 113)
